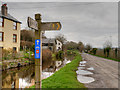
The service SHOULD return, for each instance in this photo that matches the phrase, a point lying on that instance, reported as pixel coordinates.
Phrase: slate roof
(48, 40)
(9, 17)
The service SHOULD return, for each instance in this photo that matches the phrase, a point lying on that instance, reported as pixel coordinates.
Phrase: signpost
(39, 26)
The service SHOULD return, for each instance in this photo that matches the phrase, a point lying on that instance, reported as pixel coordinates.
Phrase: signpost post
(39, 26)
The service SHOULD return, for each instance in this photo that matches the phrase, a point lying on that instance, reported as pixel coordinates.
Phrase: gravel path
(105, 72)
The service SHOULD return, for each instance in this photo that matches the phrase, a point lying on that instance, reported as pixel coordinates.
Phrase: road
(105, 72)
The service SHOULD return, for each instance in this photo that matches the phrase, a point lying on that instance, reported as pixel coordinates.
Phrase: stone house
(9, 30)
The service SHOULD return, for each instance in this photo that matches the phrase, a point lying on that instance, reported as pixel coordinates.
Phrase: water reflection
(18, 78)
(24, 77)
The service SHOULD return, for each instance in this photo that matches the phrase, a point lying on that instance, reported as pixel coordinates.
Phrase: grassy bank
(107, 58)
(64, 78)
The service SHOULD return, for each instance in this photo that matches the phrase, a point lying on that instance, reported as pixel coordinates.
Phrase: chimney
(4, 9)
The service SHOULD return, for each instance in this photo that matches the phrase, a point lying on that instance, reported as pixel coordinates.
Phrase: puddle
(83, 72)
(91, 68)
(68, 62)
(82, 62)
(46, 74)
(22, 83)
(84, 79)
(79, 68)
(80, 73)
(82, 65)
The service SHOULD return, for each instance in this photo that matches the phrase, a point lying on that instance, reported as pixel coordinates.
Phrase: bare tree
(27, 39)
(70, 45)
(27, 35)
(61, 38)
(107, 46)
(80, 46)
(88, 47)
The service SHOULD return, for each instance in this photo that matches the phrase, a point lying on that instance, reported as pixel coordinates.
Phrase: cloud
(60, 0)
(86, 22)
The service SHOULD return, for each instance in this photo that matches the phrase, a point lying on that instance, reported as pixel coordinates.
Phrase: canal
(24, 77)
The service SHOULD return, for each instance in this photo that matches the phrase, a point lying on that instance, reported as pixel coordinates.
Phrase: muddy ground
(105, 72)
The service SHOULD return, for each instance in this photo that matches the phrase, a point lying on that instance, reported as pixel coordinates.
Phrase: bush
(46, 58)
(11, 64)
(108, 51)
(116, 51)
(60, 55)
(26, 61)
(47, 54)
(28, 54)
(7, 54)
(94, 51)
(71, 52)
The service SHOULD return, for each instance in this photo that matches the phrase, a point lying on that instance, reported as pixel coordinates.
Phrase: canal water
(24, 77)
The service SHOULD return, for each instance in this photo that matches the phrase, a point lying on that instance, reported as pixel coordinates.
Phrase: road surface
(105, 72)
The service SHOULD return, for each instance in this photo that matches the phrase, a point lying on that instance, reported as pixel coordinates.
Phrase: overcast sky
(60, 0)
(89, 22)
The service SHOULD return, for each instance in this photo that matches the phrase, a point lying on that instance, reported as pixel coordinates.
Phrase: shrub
(94, 51)
(71, 52)
(47, 54)
(28, 54)
(108, 51)
(116, 51)
(11, 63)
(26, 61)
(46, 58)
(7, 54)
(60, 55)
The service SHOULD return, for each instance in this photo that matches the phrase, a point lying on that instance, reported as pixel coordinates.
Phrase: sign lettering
(50, 26)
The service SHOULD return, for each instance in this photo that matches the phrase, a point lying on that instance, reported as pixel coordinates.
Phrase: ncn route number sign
(37, 49)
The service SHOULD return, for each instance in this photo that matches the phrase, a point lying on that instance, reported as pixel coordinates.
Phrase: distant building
(52, 44)
(9, 30)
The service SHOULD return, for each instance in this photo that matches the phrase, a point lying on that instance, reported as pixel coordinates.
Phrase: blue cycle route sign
(37, 48)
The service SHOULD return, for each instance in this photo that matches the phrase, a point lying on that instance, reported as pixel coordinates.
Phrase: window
(50, 48)
(14, 49)
(59, 48)
(44, 44)
(1, 22)
(14, 38)
(15, 25)
(1, 36)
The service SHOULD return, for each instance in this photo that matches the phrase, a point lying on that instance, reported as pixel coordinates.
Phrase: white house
(52, 44)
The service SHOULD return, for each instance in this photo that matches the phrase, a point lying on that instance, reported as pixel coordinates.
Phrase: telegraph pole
(38, 64)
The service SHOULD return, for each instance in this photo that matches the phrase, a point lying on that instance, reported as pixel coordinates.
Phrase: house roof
(48, 40)
(9, 17)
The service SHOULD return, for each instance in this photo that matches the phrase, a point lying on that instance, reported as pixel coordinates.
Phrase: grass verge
(66, 77)
(107, 58)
